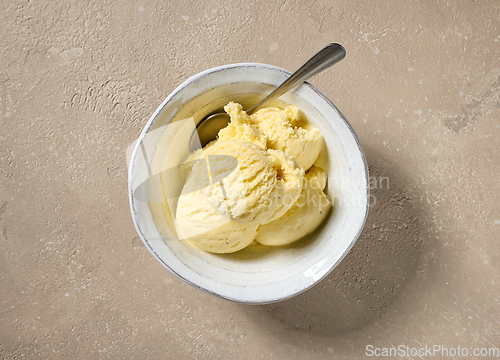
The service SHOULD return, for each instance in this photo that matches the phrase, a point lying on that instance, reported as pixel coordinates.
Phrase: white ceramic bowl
(261, 274)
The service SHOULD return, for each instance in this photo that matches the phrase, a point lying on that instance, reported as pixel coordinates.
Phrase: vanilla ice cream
(303, 217)
(276, 129)
(251, 183)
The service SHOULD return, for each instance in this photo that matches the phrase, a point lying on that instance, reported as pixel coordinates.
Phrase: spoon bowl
(257, 276)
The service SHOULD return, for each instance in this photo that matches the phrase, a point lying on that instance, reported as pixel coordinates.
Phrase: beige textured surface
(420, 85)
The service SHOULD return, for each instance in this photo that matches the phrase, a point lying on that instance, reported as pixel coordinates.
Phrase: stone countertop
(421, 87)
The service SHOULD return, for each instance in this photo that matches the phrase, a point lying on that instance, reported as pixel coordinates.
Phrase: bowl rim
(150, 122)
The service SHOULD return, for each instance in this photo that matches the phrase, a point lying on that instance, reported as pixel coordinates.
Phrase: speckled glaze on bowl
(249, 276)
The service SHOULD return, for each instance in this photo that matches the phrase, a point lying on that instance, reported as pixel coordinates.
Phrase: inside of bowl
(172, 149)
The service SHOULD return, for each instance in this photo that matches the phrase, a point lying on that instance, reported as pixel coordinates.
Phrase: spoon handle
(329, 55)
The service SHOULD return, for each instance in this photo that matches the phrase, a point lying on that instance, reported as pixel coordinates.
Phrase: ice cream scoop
(210, 126)
(225, 199)
(303, 217)
(274, 128)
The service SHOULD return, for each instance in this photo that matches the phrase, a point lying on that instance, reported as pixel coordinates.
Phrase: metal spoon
(209, 127)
